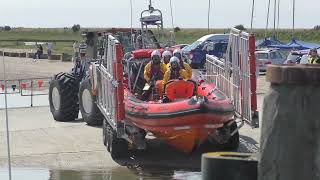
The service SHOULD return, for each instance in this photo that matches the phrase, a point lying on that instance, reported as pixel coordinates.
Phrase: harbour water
(120, 173)
(15, 100)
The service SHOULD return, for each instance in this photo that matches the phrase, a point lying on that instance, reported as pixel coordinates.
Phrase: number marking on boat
(182, 127)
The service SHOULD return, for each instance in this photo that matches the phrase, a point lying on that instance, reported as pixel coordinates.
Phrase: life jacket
(314, 60)
(174, 74)
(181, 64)
(156, 71)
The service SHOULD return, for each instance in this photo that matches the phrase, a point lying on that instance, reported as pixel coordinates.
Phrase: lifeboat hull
(184, 124)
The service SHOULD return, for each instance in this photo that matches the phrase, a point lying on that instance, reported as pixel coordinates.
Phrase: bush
(76, 28)
(240, 27)
(317, 27)
(177, 29)
(7, 28)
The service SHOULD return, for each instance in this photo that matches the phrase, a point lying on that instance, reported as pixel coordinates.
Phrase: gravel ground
(24, 68)
(37, 141)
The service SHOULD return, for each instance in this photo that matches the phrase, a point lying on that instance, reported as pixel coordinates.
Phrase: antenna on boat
(151, 8)
(6, 112)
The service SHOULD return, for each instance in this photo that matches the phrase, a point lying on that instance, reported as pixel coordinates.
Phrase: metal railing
(26, 87)
(105, 96)
(216, 74)
(109, 82)
(235, 76)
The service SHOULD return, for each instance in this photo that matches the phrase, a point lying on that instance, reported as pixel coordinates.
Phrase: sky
(186, 13)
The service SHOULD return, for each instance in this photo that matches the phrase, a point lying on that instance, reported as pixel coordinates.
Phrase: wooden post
(290, 136)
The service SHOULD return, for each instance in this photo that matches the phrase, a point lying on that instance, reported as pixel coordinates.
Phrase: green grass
(184, 36)
(40, 34)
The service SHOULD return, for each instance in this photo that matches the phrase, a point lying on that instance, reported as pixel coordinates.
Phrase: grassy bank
(39, 34)
(184, 36)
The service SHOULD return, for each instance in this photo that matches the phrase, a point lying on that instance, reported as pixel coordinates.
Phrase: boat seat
(179, 89)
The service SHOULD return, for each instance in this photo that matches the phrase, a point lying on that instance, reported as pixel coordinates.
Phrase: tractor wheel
(88, 107)
(118, 147)
(63, 97)
(233, 142)
(105, 134)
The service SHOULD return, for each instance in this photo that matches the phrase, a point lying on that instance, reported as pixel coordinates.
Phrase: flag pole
(6, 112)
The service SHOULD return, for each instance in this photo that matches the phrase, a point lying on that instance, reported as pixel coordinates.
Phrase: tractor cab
(95, 40)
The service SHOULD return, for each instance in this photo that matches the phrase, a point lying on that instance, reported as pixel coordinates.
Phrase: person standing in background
(314, 57)
(50, 47)
(38, 54)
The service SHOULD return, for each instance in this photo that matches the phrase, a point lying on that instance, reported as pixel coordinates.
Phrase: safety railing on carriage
(106, 87)
(233, 83)
(224, 85)
(26, 87)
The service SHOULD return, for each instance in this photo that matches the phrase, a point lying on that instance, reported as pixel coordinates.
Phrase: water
(18, 101)
(39, 174)
(120, 173)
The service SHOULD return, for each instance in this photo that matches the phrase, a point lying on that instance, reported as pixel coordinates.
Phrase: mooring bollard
(229, 166)
(290, 136)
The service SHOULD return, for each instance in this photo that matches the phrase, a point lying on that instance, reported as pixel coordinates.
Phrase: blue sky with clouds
(187, 13)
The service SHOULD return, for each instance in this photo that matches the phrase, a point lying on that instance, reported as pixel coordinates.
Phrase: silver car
(268, 56)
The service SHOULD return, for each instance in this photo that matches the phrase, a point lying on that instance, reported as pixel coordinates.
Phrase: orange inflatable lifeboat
(194, 112)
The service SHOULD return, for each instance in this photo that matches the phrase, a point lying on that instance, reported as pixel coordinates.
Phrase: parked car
(265, 57)
(212, 44)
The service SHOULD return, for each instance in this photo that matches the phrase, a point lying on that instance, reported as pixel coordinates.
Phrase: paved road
(24, 68)
(39, 141)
